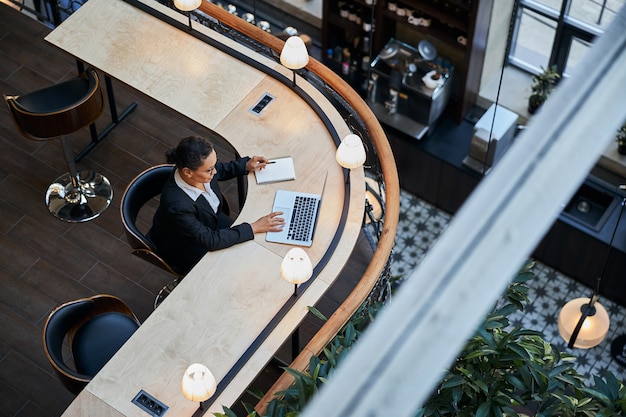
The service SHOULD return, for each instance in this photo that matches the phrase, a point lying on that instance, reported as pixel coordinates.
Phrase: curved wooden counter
(224, 313)
(392, 198)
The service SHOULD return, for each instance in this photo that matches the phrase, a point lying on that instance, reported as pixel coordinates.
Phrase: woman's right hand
(269, 223)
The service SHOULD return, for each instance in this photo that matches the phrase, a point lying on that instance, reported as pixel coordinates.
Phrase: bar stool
(58, 111)
(94, 328)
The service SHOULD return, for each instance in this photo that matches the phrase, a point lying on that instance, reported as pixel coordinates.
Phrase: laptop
(300, 211)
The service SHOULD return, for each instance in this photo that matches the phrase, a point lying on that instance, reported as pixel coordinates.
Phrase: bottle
(337, 54)
(359, 16)
(352, 12)
(343, 11)
(365, 63)
(367, 22)
(346, 55)
(345, 68)
(354, 65)
(365, 47)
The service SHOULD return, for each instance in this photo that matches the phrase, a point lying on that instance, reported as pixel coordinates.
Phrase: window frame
(567, 30)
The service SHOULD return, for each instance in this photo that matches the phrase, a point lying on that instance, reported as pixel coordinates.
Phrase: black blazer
(183, 230)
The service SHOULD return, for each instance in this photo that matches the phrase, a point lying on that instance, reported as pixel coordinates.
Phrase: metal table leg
(96, 137)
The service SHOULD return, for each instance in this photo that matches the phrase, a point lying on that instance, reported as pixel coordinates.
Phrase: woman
(190, 221)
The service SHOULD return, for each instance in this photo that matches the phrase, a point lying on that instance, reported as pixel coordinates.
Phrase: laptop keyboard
(302, 218)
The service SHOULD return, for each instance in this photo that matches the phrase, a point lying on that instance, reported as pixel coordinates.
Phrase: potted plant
(503, 371)
(621, 139)
(543, 85)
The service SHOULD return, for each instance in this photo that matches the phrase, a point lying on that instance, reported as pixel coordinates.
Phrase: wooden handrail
(392, 199)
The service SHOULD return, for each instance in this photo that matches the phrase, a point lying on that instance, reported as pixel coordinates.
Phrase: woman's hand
(256, 162)
(269, 223)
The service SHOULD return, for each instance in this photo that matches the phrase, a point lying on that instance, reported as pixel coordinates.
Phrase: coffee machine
(402, 91)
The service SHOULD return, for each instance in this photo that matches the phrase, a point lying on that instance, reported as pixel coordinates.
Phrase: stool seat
(58, 111)
(56, 98)
(96, 341)
(94, 328)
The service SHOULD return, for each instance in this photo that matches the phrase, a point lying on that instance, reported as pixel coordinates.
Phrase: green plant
(543, 84)
(621, 135)
(501, 372)
(290, 402)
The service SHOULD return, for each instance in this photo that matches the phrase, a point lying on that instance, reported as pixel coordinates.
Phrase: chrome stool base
(92, 197)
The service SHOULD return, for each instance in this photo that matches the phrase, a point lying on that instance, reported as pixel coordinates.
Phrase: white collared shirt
(194, 192)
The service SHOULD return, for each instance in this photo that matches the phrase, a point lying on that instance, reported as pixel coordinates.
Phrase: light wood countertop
(222, 306)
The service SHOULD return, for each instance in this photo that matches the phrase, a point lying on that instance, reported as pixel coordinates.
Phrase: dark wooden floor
(44, 261)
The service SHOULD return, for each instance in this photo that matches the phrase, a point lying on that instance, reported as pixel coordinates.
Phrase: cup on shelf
(344, 12)
(461, 39)
(419, 21)
(392, 6)
(352, 13)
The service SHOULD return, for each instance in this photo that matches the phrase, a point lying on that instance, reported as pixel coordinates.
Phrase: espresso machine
(402, 91)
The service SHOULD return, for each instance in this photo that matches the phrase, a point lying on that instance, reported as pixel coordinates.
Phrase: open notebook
(280, 169)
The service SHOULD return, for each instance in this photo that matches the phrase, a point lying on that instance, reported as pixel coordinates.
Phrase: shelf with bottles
(351, 16)
(445, 13)
(431, 27)
(349, 56)
(348, 30)
(455, 27)
(350, 11)
(345, 24)
(356, 77)
(347, 39)
(462, 9)
(337, 6)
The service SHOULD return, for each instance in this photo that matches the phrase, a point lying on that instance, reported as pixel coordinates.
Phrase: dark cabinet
(581, 255)
(614, 282)
(418, 171)
(354, 31)
(429, 176)
(572, 251)
(455, 185)
(431, 170)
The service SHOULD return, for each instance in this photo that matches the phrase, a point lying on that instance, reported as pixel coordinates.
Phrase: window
(535, 35)
(558, 32)
(599, 13)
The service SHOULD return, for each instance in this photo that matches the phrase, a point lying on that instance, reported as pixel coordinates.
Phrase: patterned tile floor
(421, 224)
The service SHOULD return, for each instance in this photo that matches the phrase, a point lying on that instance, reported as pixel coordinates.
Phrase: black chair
(143, 188)
(58, 111)
(95, 327)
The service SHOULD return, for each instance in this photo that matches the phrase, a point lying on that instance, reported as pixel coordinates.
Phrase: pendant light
(296, 267)
(584, 322)
(187, 6)
(198, 383)
(294, 55)
(351, 152)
